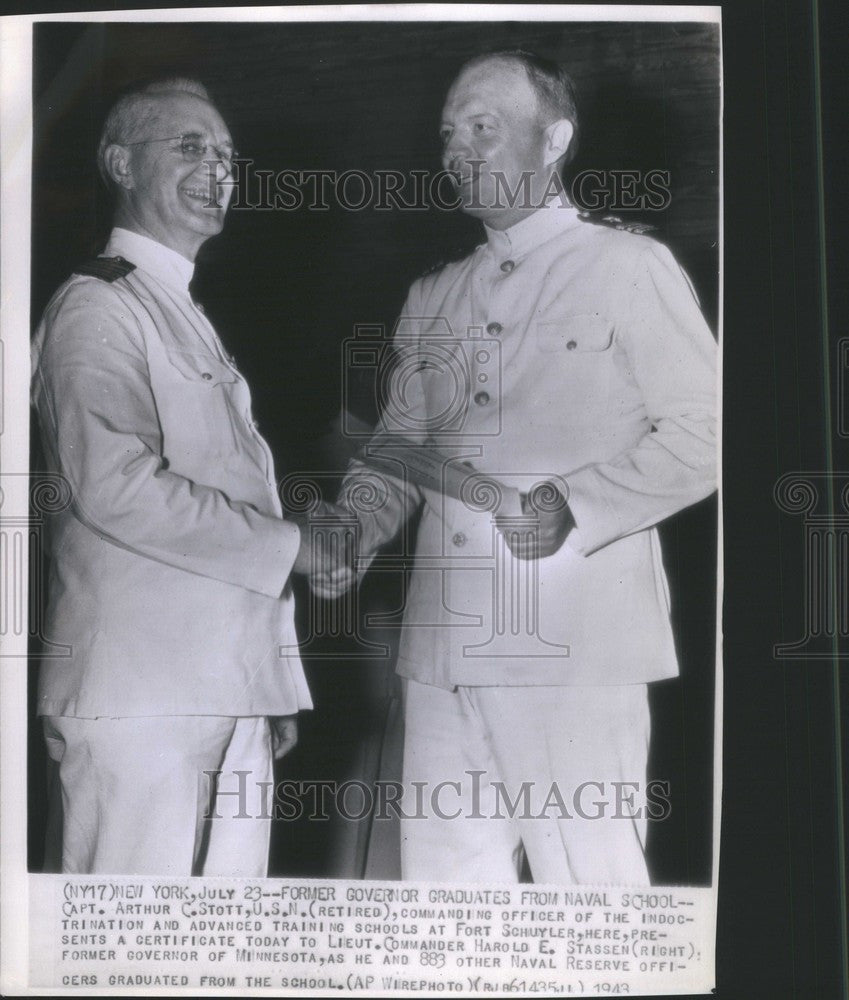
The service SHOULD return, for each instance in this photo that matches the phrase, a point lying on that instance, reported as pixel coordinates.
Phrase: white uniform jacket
(168, 575)
(558, 349)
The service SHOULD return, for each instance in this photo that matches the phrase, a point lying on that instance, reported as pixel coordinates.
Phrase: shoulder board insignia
(615, 222)
(105, 268)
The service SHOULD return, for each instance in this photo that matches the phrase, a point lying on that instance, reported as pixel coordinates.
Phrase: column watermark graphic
(822, 500)
(514, 583)
(333, 535)
(25, 504)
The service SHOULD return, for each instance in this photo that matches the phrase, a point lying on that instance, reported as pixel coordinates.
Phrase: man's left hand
(548, 521)
(284, 734)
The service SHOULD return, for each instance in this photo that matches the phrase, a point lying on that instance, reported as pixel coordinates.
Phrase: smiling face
(176, 201)
(491, 115)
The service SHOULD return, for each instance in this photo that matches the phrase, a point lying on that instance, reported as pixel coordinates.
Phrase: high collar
(168, 266)
(533, 231)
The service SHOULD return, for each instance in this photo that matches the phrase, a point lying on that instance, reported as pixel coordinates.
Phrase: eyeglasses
(194, 148)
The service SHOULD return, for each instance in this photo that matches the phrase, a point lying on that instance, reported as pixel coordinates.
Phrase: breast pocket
(575, 354)
(204, 369)
(198, 406)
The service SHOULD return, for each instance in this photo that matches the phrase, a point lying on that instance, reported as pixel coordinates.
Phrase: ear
(116, 160)
(556, 139)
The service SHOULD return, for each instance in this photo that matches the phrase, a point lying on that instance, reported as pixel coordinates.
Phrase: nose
(455, 153)
(223, 166)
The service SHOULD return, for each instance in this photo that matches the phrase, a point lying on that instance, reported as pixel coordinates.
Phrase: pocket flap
(578, 333)
(203, 368)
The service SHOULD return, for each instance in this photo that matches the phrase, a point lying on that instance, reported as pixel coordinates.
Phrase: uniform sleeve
(99, 423)
(672, 357)
(381, 502)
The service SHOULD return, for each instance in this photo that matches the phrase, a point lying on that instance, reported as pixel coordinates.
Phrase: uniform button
(483, 378)
(508, 266)
(482, 398)
(482, 357)
(459, 539)
(206, 376)
(571, 345)
(493, 329)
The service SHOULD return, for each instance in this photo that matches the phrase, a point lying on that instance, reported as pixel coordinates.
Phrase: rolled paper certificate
(426, 466)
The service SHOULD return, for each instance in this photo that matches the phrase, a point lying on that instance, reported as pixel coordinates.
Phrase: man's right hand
(327, 556)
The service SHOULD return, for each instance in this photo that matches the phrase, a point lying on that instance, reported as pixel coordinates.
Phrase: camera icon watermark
(427, 377)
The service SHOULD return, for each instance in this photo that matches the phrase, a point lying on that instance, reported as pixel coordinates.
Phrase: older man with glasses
(170, 571)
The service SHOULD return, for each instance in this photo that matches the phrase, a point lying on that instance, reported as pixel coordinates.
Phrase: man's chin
(474, 199)
(473, 206)
(209, 221)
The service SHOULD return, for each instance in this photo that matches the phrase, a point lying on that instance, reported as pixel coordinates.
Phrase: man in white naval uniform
(527, 653)
(170, 570)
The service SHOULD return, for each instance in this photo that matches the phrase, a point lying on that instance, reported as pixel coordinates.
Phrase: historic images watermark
(259, 188)
(473, 797)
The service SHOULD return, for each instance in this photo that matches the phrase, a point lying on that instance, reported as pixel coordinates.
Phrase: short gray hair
(554, 88)
(135, 110)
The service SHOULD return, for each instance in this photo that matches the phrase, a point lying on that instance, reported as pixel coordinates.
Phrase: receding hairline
(495, 57)
(523, 63)
(141, 108)
(507, 57)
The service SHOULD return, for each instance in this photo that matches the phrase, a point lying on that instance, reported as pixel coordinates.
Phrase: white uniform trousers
(143, 796)
(569, 764)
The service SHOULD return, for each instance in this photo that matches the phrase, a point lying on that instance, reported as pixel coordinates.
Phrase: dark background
(646, 99)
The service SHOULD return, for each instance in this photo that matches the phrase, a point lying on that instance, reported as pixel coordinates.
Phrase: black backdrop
(780, 931)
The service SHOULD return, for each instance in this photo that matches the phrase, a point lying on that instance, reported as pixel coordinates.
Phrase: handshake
(327, 553)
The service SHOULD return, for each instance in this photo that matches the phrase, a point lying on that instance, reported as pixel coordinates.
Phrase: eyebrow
(446, 122)
(203, 137)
